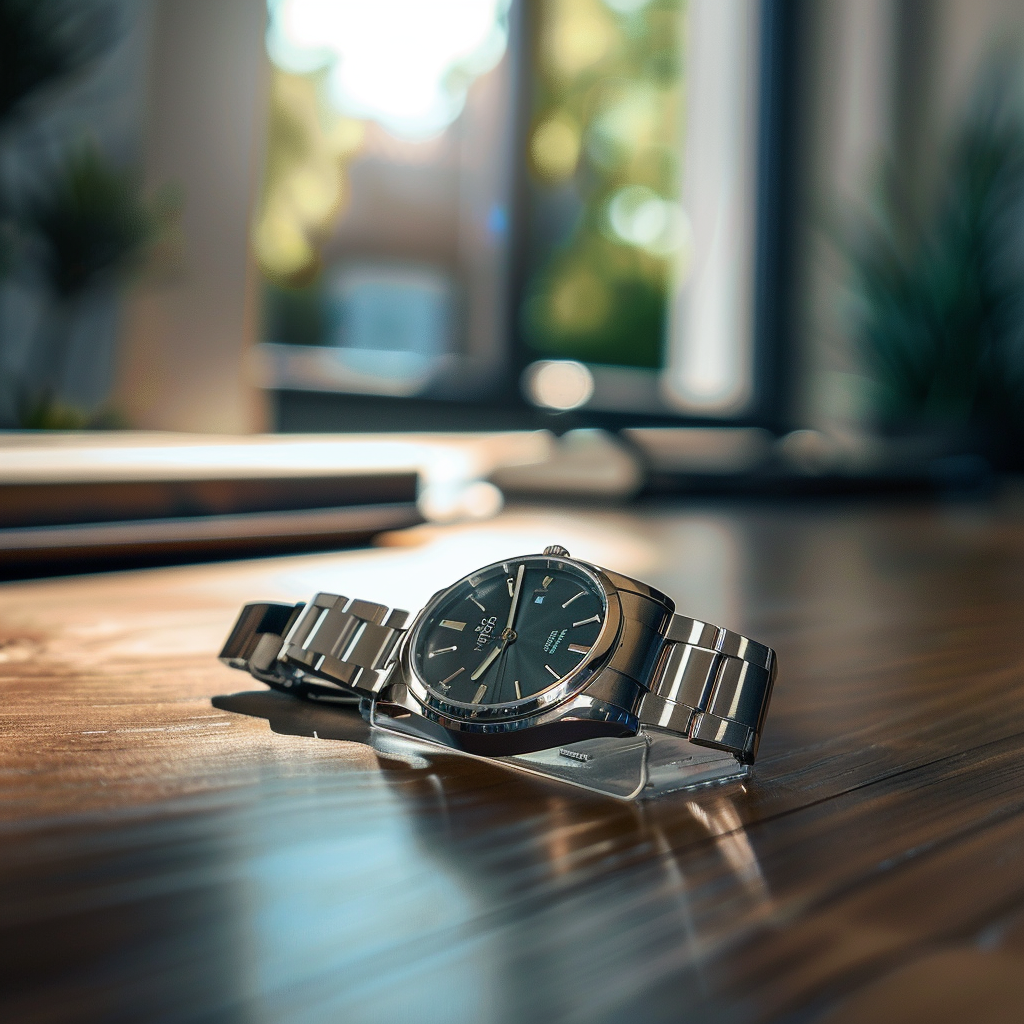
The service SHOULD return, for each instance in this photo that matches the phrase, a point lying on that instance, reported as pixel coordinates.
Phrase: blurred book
(81, 500)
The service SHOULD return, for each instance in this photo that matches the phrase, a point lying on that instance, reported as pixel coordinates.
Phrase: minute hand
(515, 597)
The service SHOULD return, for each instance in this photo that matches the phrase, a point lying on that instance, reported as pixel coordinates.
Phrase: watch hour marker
(474, 581)
(441, 650)
(519, 693)
(445, 682)
(583, 622)
(573, 598)
(479, 695)
(477, 603)
(548, 580)
(511, 587)
(579, 649)
(552, 671)
(452, 624)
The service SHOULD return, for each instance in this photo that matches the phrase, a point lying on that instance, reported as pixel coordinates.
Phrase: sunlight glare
(403, 63)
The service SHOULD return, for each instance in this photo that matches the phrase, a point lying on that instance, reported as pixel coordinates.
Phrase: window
(562, 194)
(383, 230)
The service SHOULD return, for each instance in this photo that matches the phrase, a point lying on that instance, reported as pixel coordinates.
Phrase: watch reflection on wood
(528, 653)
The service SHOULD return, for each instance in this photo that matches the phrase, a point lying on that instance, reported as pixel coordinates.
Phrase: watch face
(510, 631)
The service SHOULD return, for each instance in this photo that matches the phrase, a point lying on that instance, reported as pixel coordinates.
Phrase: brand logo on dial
(555, 637)
(485, 629)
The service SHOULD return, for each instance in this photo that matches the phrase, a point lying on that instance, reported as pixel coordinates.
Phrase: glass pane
(608, 231)
(383, 223)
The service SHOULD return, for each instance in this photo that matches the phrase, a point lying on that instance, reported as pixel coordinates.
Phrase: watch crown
(556, 549)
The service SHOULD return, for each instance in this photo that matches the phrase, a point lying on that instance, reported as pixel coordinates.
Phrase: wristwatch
(525, 654)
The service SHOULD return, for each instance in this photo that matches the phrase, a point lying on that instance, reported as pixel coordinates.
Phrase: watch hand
(496, 650)
(486, 663)
(501, 677)
(515, 596)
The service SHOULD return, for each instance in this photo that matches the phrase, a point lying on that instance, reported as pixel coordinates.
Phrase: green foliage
(89, 225)
(43, 42)
(93, 222)
(86, 222)
(591, 310)
(939, 284)
(8, 245)
(45, 412)
(608, 98)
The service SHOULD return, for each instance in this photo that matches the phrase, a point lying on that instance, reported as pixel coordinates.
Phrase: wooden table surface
(180, 845)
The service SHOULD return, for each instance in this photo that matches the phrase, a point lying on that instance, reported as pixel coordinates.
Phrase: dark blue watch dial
(509, 631)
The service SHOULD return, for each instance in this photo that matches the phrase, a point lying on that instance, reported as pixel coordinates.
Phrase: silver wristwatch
(525, 654)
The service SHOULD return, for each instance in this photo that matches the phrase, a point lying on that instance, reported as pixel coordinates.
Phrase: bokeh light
(577, 34)
(558, 384)
(555, 147)
(639, 216)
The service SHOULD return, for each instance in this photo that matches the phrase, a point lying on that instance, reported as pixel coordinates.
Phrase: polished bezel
(469, 715)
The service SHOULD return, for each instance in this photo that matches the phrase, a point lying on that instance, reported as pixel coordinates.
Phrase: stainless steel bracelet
(337, 649)
(711, 685)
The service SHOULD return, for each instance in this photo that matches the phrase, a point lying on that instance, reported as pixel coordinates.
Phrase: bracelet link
(739, 692)
(258, 634)
(688, 675)
(711, 731)
(711, 685)
(666, 714)
(345, 643)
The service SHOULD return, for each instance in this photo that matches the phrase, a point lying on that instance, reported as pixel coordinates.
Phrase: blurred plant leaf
(44, 42)
(89, 224)
(8, 244)
(46, 412)
(939, 286)
(93, 223)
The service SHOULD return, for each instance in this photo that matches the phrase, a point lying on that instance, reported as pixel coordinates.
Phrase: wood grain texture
(180, 845)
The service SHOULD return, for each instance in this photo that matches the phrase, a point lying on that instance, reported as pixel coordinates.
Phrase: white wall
(181, 364)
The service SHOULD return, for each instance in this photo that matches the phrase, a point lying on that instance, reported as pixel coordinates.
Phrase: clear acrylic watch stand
(650, 764)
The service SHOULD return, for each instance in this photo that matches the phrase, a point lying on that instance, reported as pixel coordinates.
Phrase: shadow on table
(291, 717)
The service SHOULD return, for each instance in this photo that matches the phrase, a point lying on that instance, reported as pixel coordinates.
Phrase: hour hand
(486, 663)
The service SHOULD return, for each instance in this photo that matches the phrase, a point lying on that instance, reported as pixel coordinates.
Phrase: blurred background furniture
(81, 501)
